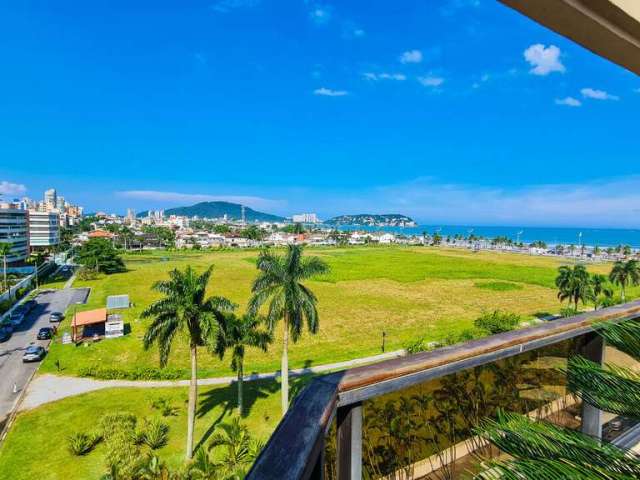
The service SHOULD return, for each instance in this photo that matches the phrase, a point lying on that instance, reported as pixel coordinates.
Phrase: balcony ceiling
(609, 28)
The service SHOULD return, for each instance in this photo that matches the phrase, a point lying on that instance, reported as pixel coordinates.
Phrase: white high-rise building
(305, 218)
(51, 198)
(14, 229)
(44, 229)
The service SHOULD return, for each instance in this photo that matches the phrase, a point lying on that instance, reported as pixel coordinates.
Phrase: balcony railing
(345, 421)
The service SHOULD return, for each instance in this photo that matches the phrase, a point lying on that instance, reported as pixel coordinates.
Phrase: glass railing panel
(427, 430)
(615, 425)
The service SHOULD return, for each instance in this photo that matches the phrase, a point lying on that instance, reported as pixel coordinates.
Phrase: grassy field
(36, 446)
(405, 292)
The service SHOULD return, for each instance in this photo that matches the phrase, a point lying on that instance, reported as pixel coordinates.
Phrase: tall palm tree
(600, 289)
(5, 250)
(237, 333)
(573, 284)
(280, 284)
(185, 309)
(625, 273)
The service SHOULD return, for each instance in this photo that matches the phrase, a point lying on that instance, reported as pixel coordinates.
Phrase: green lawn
(36, 446)
(407, 292)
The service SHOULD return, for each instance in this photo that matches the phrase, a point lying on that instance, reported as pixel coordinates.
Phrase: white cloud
(320, 14)
(597, 94)
(384, 76)
(568, 101)
(327, 92)
(544, 60)
(190, 198)
(225, 6)
(431, 81)
(8, 188)
(411, 56)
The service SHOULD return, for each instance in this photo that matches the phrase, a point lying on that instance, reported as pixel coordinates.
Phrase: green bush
(568, 312)
(139, 373)
(82, 443)
(156, 433)
(497, 322)
(5, 305)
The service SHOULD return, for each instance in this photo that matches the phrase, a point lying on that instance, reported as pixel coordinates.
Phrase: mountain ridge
(219, 209)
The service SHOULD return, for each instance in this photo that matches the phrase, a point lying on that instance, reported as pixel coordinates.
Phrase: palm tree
(5, 250)
(238, 333)
(625, 273)
(238, 449)
(280, 283)
(600, 289)
(573, 284)
(184, 308)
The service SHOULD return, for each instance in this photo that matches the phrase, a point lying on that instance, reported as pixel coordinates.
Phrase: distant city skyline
(449, 111)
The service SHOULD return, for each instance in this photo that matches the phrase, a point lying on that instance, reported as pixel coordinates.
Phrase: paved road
(12, 370)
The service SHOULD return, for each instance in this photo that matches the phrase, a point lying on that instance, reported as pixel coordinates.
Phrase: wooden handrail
(294, 451)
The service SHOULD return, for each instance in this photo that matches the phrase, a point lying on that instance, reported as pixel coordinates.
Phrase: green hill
(233, 211)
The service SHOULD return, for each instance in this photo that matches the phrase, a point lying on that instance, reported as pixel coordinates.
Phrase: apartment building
(14, 229)
(44, 229)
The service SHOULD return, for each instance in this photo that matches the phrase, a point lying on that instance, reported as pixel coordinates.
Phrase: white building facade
(305, 218)
(14, 230)
(44, 229)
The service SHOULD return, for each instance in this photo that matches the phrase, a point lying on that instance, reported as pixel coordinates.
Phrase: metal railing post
(349, 442)
(318, 468)
(593, 348)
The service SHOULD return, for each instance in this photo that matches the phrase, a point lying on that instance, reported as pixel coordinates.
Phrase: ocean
(603, 237)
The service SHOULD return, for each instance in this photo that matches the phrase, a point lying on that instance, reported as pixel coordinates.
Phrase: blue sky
(451, 111)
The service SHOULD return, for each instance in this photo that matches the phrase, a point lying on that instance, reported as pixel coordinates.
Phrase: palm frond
(312, 266)
(624, 336)
(542, 470)
(610, 388)
(525, 439)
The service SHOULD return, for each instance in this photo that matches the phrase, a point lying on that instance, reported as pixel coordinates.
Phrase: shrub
(139, 373)
(113, 423)
(122, 454)
(82, 443)
(156, 433)
(87, 274)
(497, 322)
(568, 312)
(5, 305)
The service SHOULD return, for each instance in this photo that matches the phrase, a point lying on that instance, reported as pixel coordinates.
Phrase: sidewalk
(49, 388)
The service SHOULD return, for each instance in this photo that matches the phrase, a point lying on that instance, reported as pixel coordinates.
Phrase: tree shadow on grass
(227, 398)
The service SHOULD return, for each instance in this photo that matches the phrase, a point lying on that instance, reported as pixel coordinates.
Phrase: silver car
(33, 353)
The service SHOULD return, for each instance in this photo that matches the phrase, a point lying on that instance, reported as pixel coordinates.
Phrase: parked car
(6, 324)
(16, 318)
(56, 317)
(33, 353)
(5, 333)
(45, 333)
